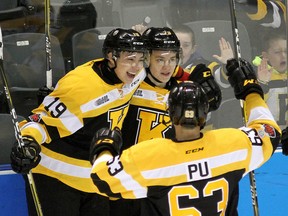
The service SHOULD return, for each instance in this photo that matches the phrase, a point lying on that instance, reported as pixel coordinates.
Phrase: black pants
(58, 199)
(125, 207)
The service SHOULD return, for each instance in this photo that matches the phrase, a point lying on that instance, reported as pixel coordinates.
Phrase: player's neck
(183, 133)
(156, 81)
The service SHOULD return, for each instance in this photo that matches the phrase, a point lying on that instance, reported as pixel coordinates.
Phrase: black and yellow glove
(242, 78)
(105, 139)
(203, 75)
(26, 157)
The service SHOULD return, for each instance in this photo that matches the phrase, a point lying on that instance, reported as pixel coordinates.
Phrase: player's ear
(110, 59)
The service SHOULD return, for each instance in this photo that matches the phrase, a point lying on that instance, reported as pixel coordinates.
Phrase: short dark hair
(271, 36)
(185, 29)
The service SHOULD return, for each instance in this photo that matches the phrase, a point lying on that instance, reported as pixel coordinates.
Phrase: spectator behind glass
(272, 73)
(191, 56)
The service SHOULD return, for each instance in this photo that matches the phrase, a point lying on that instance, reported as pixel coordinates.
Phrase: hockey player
(147, 116)
(193, 173)
(148, 105)
(58, 133)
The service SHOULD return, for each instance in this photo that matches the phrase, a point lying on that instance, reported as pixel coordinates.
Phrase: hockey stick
(237, 52)
(44, 91)
(48, 45)
(16, 127)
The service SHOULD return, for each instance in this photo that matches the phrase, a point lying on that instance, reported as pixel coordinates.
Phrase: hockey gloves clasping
(242, 78)
(26, 157)
(105, 139)
(203, 75)
(284, 141)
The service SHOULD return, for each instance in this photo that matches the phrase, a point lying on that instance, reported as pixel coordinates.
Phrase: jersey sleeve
(59, 115)
(181, 74)
(73, 103)
(261, 129)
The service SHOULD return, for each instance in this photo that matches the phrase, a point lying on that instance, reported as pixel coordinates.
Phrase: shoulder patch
(269, 130)
(35, 118)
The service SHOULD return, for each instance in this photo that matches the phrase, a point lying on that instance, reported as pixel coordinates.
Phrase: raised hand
(226, 51)
(264, 71)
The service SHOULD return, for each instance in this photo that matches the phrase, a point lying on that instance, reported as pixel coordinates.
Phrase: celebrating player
(148, 105)
(93, 95)
(194, 173)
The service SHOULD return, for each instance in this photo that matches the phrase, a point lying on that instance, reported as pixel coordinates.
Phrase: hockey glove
(284, 141)
(203, 75)
(24, 158)
(105, 139)
(242, 78)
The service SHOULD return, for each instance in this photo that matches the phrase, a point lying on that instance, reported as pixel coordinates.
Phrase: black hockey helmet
(123, 40)
(188, 105)
(161, 39)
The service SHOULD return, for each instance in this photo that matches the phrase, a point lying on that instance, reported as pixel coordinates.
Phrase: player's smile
(131, 74)
(166, 74)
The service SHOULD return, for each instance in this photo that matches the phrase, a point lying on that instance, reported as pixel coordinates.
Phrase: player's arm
(105, 140)
(120, 174)
(242, 78)
(60, 113)
(181, 74)
(203, 75)
(105, 145)
(35, 131)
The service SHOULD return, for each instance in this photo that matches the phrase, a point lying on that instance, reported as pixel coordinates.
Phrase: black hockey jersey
(64, 124)
(197, 177)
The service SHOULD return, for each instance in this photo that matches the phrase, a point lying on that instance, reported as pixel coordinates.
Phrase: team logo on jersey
(102, 100)
(139, 93)
(269, 130)
(35, 118)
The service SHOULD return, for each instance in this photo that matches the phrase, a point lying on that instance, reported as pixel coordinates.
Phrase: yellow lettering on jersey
(116, 116)
(152, 125)
(180, 191)
(220, 184)
(190, 192)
